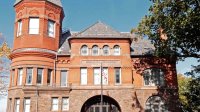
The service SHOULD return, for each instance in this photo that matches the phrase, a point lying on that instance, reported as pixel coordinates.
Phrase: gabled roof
(99, 30)
(56, 2)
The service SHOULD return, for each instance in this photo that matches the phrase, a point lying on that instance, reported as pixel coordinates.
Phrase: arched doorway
(94, 104)
(155, 104)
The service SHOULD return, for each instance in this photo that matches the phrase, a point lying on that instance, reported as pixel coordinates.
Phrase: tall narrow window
(20, 74)
(63, 78)
(106, 50)
(10, 105)
(105, 75)
(27, 103)
(54, 105)
(39, 75)
(84, 50)
(116, 50)
(65, 104)
(95, 50)
(34, 26)
(83, 76)
(49, 75)
(117, 75)
(29, 76)
(97, 76)
(17, 104)
(51, 28)
(19, 28)
(13, 76)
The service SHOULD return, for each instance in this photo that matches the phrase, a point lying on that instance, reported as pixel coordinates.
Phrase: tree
(173, 27)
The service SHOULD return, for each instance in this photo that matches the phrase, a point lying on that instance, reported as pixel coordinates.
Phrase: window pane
(27, 105)
(49, 76)
(105, 75)
(34, 26)
(116, 50)
(97, 77)
(95, 50)
(39, 75)
(84, 50)
(54, 104)
(20, 74)
(13, 76)
(51, 28)
(17, 103)
(65, 104)
(117, 75)
(29, 75)
(19, 28)
(63, 78)
(106, 50)
(83, 76)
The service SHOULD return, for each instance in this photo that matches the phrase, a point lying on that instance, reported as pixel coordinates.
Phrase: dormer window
(106, 50)
(34, 26)
(19, 28)
(116, 50)
(51, 28)
(95, 50)
(84, 50)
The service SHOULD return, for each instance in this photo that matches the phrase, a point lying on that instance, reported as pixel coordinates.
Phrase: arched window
(95, 50)
(106, 50)
(116, 50)
(155, 104)
(153, 77)
(84, 50)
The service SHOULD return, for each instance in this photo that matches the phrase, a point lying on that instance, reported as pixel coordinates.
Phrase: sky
(122, 15)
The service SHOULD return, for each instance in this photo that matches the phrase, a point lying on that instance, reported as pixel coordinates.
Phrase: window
(54, 105)
(27, 103)
(106, 50)
(95, 50)
(13, 77)
(116, 50)
(39, 75)
(97, 76)
(29, 75)
(10, 105)
(19, 28)
(51, 28)
(153, 77)
(63, 78)
(49, 75)
(65, 104)
(17, 104)
(155, 104)
(20, 74)
(84, 50)
(117, 75)
(34, 26)
(105, 75)
(83, 76)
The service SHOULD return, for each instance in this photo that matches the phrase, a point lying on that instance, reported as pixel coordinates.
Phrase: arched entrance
(155, 104)
(94, 104)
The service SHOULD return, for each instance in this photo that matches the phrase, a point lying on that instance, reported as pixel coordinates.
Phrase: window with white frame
(83, 76)
(17, 104)
(27, 104)
(29, 75)
(33, 25)
(54, 104)
(63, 81)
(116, 50)
(117, 75)
(105, 75)
(51, 28)
(39, 75)
(20, 75)
(106, 50)
(97, 76)
(153, 77)
(65, 104)
(19, 28)
(95, 50)
(155, 104)
(84, 50)
(49, 75)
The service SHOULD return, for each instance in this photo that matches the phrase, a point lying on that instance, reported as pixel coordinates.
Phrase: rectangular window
(65, 104)
(63, 78)
(117, 75)
(27, 103)
(10, 105)
(17, 104)
(97, 76)
(105, 76)
(54, 105)
(29, 75)
(19, 28)
(39, 75)
(34, 26)
(83, 76)
(20, 74)
(51, 28)
(13, 76)
(49, 75)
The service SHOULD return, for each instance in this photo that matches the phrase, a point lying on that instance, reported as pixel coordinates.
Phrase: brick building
(55, 71)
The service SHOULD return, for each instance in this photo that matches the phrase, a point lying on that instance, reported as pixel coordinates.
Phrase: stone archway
(93, 104)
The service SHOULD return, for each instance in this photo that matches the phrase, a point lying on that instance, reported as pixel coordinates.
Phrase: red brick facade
(126, 90)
